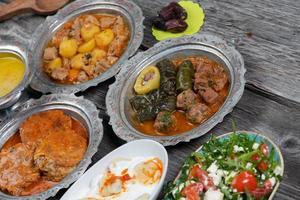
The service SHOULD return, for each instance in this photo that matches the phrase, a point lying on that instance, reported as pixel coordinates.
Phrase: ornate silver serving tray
(78, 108)
(117, 99)
(15, 48)
(128, 9)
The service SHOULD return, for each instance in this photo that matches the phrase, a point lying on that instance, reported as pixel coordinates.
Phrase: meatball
(165, 122)
(209, 95)
(186, 98)
(31, 131)
(17, 170)
(54, 159)
(197, 113)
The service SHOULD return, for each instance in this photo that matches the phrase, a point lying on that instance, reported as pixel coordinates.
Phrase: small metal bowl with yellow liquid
(14, 73)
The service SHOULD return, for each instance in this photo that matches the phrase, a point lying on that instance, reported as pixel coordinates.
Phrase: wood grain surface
(267, 33)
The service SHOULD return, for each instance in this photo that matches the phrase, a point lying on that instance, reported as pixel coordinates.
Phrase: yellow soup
(12, 71)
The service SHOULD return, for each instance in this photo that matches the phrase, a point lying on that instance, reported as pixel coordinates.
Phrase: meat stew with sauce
(46, 148)
(177, 95)
(85, 47)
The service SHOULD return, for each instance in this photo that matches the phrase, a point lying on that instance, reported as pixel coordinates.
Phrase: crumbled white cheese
(255, 146)
(277, 170)
(237, 149)
(273, 181)
(248, 165)
(213, 195)
(263, 177)
(217, 177)
(213, 168)
(234, 190)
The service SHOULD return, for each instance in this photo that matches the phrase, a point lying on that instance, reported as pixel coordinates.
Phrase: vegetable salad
(235, 167)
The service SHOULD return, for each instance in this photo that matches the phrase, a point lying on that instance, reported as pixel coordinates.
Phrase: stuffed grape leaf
(185, 74)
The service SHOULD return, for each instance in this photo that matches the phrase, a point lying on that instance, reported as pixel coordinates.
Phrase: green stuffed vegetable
(184, 78)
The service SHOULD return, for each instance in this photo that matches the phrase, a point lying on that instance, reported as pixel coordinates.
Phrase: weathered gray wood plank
(267, 33)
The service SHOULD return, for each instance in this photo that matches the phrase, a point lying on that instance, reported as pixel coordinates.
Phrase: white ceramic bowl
(138, 148)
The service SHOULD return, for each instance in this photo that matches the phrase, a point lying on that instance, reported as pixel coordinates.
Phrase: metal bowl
(131, 13)
(19, 51)
(257, 138)
(77, 107)
(117, 99)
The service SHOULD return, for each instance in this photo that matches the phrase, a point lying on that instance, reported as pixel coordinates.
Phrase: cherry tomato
(259, 193)
(264, 149)
(202, 176)
(262, 166)
(192, 191)
(255, 157)
(210, 184)
(244, 181)
(197, 172)
(268, 185)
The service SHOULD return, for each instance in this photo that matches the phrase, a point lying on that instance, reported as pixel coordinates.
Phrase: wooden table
(267, 33)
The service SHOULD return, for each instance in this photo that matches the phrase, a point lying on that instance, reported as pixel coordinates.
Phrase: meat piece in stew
(165, 122)
(186, 98)
(72, 55)
(209, 95)
(197, 113)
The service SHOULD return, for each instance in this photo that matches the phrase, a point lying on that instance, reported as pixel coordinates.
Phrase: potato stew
(177, 95)
(85, 47)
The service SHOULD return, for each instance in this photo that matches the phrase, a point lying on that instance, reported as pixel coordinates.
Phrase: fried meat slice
(59, 152)
(38, 125)
(17, 169)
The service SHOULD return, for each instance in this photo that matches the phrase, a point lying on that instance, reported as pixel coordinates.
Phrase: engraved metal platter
(78, 108)
(127, 9)
(204, 44)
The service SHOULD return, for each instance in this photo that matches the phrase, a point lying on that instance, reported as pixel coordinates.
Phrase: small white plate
(138, 148)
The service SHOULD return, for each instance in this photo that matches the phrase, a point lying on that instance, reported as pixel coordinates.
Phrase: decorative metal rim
(237, 88)
(42, 83)
(263, 137)
(96, 135)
